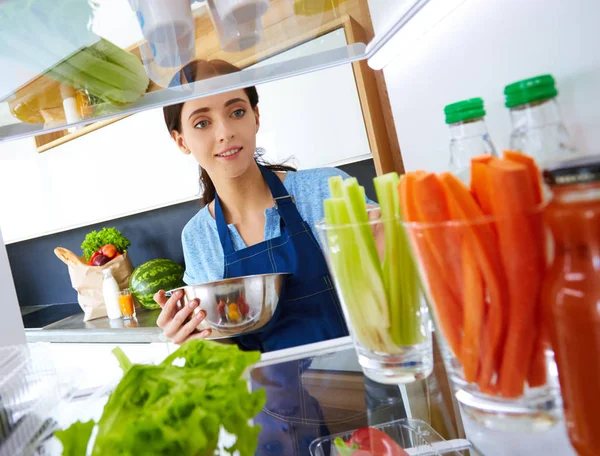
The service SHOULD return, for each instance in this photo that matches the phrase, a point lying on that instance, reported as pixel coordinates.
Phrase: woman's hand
(377, 229)
(179, 324)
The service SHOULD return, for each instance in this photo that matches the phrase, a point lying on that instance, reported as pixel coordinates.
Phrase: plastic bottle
(469, 136)
(110, 292)
(537, 126)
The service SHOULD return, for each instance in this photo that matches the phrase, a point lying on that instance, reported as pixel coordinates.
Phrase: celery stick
(356, 266)
(370, 282)
(411, 284)
(386, 186)
(357, 208)
(336, 187)
(344, 254)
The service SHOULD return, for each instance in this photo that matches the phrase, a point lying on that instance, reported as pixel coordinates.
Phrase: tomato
(243, 306)
(221, 309)
(109, 250)
(376, 442)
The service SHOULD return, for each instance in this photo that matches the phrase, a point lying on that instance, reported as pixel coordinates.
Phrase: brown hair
(196, 71)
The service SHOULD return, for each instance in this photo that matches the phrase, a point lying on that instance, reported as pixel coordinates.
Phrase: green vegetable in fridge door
(75, 438)
(95, 240)
(74, 55)
(124, 361)
(180, 410)
(104, 70)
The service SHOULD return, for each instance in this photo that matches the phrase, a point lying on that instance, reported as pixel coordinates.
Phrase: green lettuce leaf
(75, 439)
(174, 409)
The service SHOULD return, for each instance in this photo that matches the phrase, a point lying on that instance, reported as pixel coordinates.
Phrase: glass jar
(571, 294)
(469, 136)
(537, 126)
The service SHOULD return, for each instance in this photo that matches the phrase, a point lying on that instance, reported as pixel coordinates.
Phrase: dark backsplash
(41, 278)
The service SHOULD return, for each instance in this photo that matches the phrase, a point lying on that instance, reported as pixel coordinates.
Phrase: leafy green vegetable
(168, 409)
(124, 361)
(96, 239)
(75, 439)
(343, 448)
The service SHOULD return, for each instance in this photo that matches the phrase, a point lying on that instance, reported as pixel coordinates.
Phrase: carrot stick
(432, 207)
(480, 187)
(474, 308)
(442, 298)
(485, 243)
(405, 190)
(534, 171)
(520, 235)
(537, 370)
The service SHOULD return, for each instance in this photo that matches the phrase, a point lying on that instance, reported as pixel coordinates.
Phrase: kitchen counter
(72, 329)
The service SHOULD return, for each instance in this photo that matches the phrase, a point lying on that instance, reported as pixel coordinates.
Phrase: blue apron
(308, 309)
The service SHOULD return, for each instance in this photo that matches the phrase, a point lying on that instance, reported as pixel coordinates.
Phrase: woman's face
(220, 132)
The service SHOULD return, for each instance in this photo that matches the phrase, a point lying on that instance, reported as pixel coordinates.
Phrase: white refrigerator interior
(11, 324)
(476, 51)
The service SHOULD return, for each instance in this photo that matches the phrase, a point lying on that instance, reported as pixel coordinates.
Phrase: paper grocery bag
(87, 281)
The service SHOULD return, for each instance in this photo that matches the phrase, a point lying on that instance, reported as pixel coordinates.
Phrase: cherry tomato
(376, 442)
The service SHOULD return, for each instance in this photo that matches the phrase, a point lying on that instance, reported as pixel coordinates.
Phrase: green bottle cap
(530, 90)
(464, 110)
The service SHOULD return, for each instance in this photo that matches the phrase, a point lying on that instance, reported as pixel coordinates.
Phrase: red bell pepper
(377, 442)
(369, 441)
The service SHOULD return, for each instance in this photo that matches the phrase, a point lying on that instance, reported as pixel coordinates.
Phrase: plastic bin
(415, 436)
(29, 392)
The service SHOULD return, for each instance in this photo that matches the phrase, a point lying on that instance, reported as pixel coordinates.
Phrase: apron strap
(284, 202)
(222, 228)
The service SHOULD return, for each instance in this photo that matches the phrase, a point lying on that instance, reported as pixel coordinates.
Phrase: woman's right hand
(179, 325)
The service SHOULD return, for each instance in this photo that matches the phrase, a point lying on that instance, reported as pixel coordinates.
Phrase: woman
(256, 219)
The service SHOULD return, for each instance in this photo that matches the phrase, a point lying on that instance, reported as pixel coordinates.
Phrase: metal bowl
(235, 306)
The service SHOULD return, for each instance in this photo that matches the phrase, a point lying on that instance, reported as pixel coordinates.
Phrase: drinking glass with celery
(371, 262)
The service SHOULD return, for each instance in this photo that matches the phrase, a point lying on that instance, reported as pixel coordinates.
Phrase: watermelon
(154, 275)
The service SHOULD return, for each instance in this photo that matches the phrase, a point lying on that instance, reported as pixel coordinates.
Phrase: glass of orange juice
(126, 304)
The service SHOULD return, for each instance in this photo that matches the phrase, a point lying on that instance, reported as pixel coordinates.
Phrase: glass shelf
(72, 64)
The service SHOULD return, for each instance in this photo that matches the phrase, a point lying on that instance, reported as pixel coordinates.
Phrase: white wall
(133, 165)
(480, 48)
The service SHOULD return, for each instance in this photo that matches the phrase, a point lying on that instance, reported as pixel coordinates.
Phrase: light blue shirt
(202, 250)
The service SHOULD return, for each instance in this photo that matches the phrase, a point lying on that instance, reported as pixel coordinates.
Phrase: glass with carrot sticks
(480, 252)
(376, 279)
